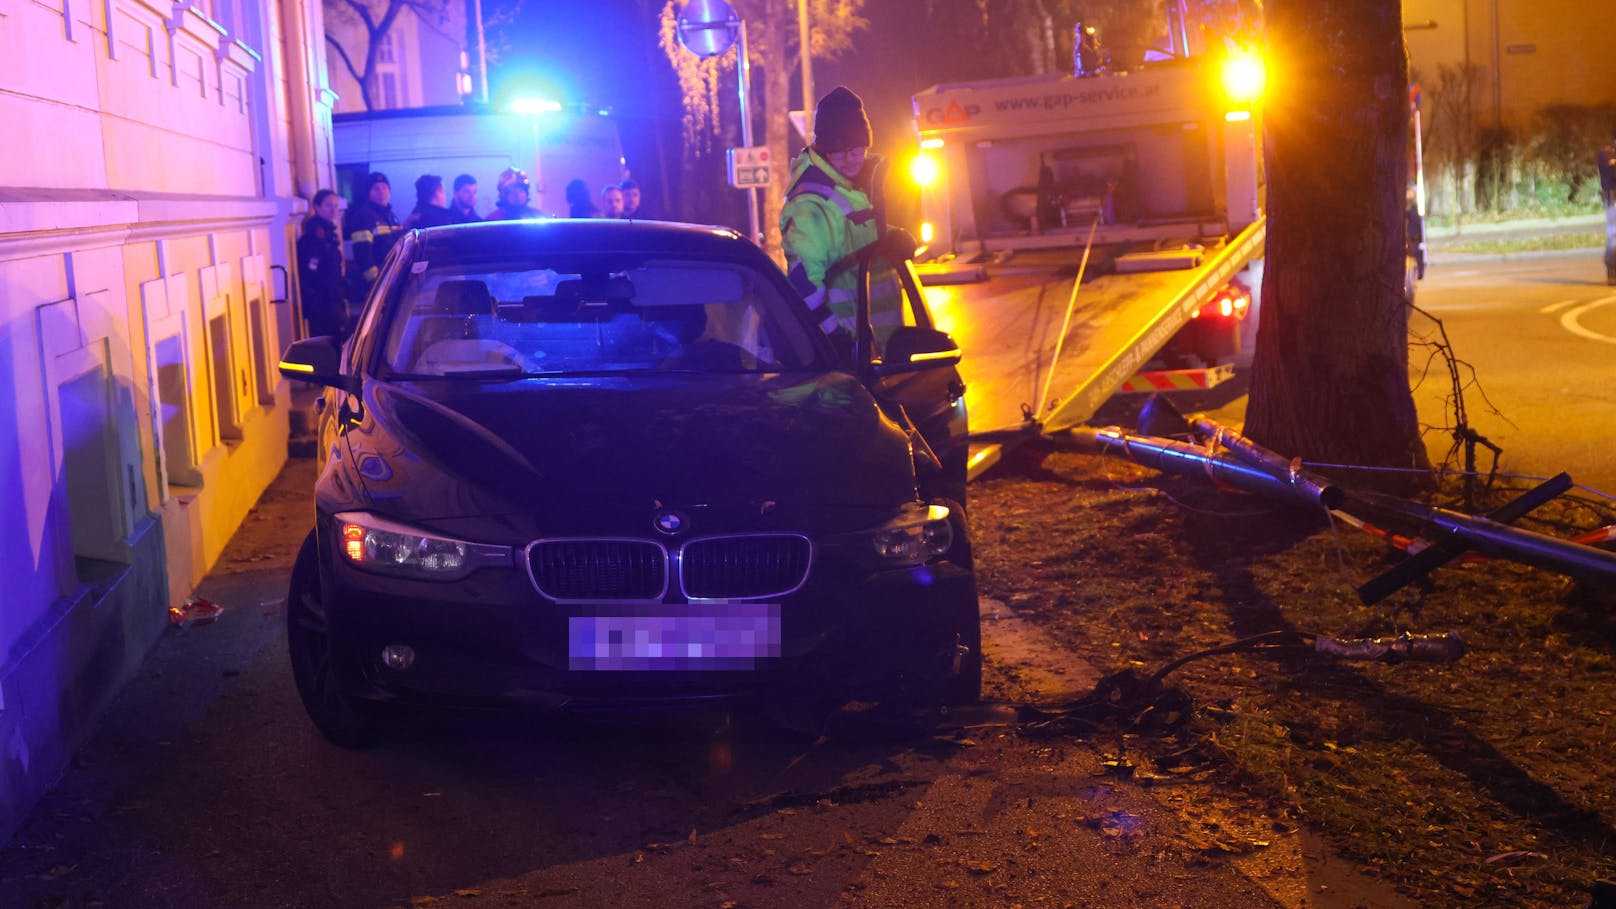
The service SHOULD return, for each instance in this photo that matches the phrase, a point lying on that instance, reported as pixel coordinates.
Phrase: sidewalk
(1441, 242)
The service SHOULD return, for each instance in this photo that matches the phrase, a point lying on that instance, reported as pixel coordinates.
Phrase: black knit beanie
(839, 122)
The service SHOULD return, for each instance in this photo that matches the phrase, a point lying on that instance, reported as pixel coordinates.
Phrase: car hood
(582, 450)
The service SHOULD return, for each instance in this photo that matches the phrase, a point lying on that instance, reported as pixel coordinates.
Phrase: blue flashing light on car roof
(535, 106)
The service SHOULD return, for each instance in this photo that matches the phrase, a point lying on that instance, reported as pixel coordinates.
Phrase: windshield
(593, 313)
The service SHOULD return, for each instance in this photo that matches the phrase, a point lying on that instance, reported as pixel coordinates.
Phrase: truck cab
(1133, 197)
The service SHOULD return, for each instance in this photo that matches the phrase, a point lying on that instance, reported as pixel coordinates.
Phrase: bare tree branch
(347, 61)
(363, 12)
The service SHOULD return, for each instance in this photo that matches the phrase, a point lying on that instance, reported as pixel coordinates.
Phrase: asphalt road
(207, 787)
(1535, 336)
(1538, 333)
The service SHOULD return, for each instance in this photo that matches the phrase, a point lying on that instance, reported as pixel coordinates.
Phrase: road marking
(1556, 307)
(1569, 321)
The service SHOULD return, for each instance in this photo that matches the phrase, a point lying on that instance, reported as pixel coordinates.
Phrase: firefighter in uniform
(513, 198)
(372, 229)
(319, 269)
(1606, 159)
(832, 215)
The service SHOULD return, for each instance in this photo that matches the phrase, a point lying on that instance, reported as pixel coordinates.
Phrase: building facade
(158, 158)
(419, 60)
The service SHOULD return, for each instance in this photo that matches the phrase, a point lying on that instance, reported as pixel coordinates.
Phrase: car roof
(525, 237)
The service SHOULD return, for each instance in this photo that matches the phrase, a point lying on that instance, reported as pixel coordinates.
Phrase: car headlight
(917, 535)
(380, 545)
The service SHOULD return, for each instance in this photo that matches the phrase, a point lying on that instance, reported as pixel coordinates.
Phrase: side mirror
(911, 349)
(317, 360)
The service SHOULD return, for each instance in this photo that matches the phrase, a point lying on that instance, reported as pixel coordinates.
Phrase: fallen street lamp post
(1493, 538)
(1421, 563)
(1160, 417)
(1490, 535)
(1189, 460)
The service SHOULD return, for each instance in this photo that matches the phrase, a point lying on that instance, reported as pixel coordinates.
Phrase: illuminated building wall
(155, 153)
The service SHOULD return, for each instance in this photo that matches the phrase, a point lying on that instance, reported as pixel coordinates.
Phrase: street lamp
(807, 71)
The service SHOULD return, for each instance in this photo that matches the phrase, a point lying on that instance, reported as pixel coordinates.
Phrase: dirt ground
(1483, 782)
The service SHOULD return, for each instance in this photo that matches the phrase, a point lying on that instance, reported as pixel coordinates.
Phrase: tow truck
(1104, 230)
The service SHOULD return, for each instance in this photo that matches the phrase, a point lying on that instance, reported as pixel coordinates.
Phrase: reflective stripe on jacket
(826, 221)
(372, 229)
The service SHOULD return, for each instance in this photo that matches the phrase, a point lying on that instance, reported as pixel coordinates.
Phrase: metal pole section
(1320, 490)
(482, 55)
(1501, 540)
(1498, 76)
(1419, 564)
(1190, 461)
(804, 41)
(1419, 166)
(1178, 30)
(743, 70)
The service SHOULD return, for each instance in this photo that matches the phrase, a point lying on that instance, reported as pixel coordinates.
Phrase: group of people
(830, 218)
(329, 280)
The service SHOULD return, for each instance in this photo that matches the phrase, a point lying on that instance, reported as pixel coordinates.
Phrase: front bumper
(491, 640)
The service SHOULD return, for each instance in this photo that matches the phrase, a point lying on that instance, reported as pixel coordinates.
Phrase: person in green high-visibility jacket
(831, 216)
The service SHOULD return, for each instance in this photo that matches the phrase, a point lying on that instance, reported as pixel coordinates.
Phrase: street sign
(748, 167)
(707, 28)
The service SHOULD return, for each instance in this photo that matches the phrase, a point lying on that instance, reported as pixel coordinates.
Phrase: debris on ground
(194, 611)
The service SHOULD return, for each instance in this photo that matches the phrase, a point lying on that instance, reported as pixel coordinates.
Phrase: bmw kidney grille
(713, 568)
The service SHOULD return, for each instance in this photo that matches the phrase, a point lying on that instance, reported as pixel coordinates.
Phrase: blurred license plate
(679, 639)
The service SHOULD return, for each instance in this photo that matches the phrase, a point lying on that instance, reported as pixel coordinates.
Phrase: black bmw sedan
(591, 464)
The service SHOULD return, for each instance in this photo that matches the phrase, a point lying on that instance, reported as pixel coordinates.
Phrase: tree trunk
(1330, 377)
(776, 127)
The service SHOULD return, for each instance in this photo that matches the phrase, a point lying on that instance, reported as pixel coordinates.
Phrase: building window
(384, 49)
(389, 84)
(263, 364)
(223, 370)
(94, 476)
(174, 417)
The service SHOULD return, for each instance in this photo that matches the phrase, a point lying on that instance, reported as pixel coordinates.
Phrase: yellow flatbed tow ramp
(1008, 327)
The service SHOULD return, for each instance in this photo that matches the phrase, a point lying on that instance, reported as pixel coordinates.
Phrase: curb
(1459, 258)
(1575, 224)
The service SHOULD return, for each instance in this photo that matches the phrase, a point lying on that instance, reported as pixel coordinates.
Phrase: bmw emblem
(669, 522)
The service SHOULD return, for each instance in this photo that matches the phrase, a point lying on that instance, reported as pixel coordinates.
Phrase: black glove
(898, 245)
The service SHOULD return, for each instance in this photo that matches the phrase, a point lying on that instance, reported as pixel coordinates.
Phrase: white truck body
(553, 147)
(1148, 183)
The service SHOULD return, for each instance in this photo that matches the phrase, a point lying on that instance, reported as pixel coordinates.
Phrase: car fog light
(398, 656)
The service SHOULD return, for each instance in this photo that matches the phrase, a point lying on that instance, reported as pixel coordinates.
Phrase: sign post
(749, 167)
(708, 28)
